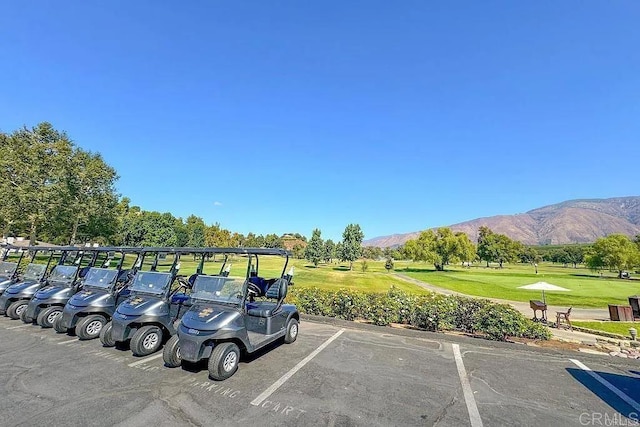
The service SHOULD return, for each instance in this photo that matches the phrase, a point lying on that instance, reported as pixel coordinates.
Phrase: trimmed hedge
(433, 312)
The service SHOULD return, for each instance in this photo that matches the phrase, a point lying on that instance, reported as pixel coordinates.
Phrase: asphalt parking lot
(333, 375)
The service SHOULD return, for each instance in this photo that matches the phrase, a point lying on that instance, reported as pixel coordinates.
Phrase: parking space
(329, 376)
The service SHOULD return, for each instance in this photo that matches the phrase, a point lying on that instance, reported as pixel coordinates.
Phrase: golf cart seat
(276, 291)
(83, 272)
(192, 279)
(258, 286)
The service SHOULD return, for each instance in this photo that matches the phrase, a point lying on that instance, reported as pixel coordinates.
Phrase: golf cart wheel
(105, 336)
(48, 316)
(89, 327)
(24, 318)
(16, 308)
(147, 340)
(292, 331)
(171, 353)
(223, 362)
(57, 325)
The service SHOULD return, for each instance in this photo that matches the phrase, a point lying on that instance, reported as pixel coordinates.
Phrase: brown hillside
(574, 221)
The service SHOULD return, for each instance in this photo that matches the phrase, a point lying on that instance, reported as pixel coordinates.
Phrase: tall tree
(329, 250)
(352, 243)
(616, 252)
(196, 231)
(33, 168)
(92, 199)
(484, 241)
(314, 251)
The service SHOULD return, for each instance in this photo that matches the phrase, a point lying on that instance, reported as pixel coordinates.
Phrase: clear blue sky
(284, 116)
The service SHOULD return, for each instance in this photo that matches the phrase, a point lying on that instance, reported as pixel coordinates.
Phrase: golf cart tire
(57, 326)
(44, 316)
(292, 331)
(24, 318)
(222, 353)
(171, 353)
(105, 336)
(82, 328)
(139, 344)
(14, 311)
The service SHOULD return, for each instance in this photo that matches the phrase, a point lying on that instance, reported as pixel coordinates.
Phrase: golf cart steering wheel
(183, 282)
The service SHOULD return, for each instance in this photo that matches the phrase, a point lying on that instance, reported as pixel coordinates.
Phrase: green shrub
(382, 310)
(404, 303)
(535, 330)
(347, 304)
(499, 321)
(433, 312)
(465, 312)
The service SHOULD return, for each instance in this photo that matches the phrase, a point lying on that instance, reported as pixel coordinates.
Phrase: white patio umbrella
(543, 286)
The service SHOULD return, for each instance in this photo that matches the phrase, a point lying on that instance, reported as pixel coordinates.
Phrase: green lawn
(325, 276)
(621, 328)
(587, 289)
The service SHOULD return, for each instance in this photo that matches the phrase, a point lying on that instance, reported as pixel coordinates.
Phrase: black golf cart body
(224, 311)
(149, 315)
(63, 282)
(30, 281)
(103, 289)
(9, 268)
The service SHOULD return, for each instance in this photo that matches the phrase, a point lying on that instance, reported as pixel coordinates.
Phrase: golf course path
(577, 313)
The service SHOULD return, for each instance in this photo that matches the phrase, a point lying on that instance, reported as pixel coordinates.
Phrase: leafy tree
(440, 247)
(51, 188)
(329, 250)
(616, 252)
(314, 251)
(493, 247)
(33, 171)
(196, 229)
(298, 250)
(91, 196)
(216, 236)
(466, 251)
(339, 247)
(352, 243)
(573, 255)
(272, 241)
(484, 242)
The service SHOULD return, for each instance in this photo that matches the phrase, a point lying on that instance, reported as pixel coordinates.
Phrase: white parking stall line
(470, 400)
(146, 359)
(21, 326)
(258, 400)
(67, 342)
(635, 405)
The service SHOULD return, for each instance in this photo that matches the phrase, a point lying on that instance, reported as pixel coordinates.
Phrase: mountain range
(572, 221)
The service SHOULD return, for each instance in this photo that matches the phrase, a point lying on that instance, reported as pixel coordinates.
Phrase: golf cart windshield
(151, 282)
(100, 277)
(34, 271)
(63, 273)
(218, 289)
(7, 268)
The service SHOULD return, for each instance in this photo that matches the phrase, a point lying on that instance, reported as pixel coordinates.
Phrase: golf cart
(234, 315)
(63, 282)
(103, 289)
(9, 269)
(148, 316)
(15, 298)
